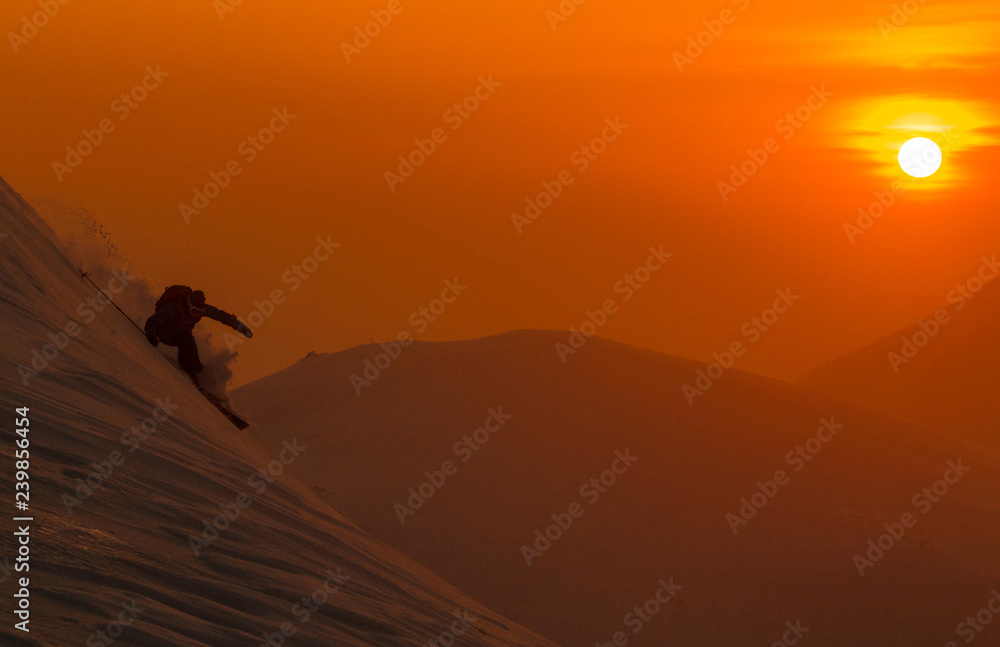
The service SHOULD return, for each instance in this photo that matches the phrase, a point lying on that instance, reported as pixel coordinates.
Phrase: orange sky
(656, 184)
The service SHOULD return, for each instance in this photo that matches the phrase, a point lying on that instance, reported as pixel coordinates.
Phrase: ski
(220, 404)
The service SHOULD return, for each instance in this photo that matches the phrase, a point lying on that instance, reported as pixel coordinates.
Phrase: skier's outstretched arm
(229, 319)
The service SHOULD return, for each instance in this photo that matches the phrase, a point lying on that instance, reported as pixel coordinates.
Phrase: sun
(920, 157)
(877, 127)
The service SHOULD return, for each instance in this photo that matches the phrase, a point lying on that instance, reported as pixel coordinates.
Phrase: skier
(177, 312)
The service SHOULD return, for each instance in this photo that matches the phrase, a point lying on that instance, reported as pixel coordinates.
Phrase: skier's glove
(153, 340)
(244, 330)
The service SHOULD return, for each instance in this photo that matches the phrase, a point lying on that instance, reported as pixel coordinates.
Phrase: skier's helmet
(196, 302)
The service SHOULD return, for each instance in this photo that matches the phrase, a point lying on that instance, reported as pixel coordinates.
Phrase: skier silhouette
(177, 312)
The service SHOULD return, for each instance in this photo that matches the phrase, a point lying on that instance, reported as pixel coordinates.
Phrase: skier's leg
(187, 354)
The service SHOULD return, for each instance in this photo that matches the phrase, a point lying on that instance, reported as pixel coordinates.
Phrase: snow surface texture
(82, 239)
(664, 517)
(127, 543)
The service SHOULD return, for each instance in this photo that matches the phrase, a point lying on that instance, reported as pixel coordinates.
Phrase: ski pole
(86, 276)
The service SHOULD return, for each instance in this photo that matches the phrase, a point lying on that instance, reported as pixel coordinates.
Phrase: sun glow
(878, 128)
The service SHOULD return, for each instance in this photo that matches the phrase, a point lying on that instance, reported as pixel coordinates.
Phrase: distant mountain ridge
(943, 371)
(501, 468)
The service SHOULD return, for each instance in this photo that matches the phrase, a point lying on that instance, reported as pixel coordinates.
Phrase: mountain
(943, 371)
(152, 522)
(758, 499)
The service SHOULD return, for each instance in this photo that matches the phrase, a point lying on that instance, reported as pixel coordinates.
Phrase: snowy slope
(123, 552)
(663, 517)
(949, 380)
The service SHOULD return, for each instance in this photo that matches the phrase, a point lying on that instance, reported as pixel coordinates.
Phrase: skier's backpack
(173, 294)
